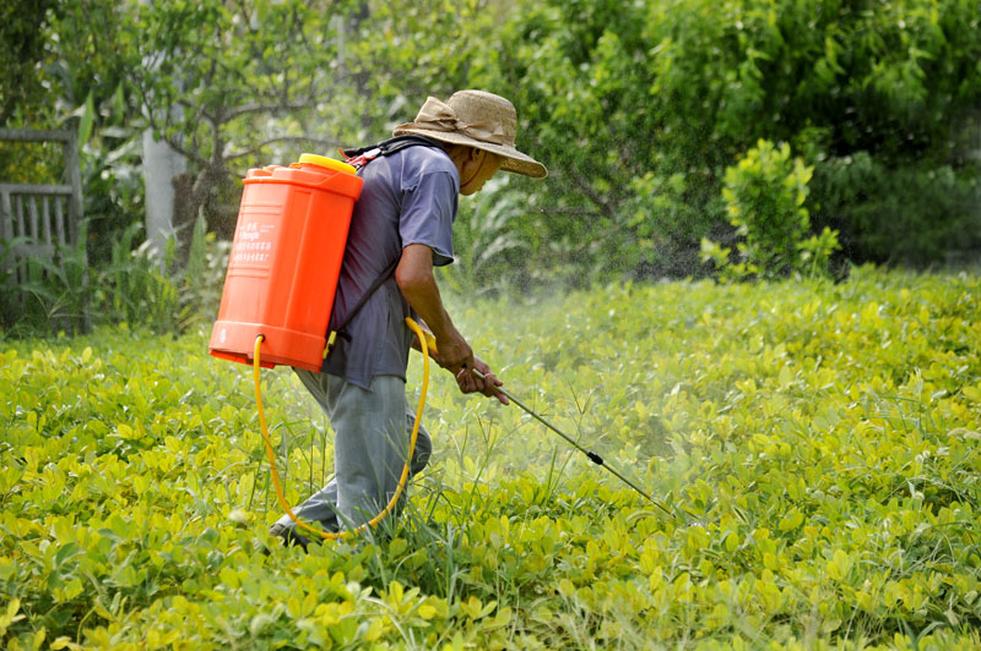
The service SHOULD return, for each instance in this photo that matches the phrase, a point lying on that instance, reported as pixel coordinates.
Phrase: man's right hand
(487, 382)
(456, 355)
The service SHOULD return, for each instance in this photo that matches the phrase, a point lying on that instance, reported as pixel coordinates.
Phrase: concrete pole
(160, 165)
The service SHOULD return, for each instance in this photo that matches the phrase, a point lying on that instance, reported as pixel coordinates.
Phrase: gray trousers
(371, 439)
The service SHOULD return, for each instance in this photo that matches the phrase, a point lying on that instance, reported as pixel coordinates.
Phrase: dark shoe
(289, 536)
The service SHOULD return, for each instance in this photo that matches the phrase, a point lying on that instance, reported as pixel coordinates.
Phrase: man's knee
(424, 445)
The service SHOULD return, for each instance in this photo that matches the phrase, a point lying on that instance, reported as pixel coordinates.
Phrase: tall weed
(148, 288)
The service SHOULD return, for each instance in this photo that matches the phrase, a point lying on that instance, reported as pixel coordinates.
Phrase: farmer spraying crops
(400, 230)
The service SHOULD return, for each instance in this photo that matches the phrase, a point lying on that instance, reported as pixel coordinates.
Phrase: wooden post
(74, 179)
(21, 230)
(35, 218)
(6, 230)
(46, 218)
(60, 221)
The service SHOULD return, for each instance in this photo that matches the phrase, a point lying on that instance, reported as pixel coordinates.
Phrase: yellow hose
(271, 456)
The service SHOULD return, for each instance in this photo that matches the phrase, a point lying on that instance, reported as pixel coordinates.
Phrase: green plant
(135, 286)
(720, 257)
(490, 254)
(11, 297)
(48, 295)
(764, 195)
(815, 252)
(201, 280)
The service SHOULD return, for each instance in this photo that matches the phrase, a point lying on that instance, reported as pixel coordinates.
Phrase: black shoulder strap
(361, 156)
(341, 329)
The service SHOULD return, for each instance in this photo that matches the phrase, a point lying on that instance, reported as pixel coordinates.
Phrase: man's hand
(459, 369)
(454, 352)
(470, 382)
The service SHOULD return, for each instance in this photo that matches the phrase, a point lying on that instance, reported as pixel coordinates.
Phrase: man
(402, 219)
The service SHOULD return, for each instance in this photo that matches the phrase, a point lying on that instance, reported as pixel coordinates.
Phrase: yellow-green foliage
(821, 440)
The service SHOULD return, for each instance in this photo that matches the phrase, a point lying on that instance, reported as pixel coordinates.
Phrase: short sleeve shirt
(409, 197)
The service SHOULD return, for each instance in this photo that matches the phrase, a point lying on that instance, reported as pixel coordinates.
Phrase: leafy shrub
(764, 195)
(914, 215)
(614, 93)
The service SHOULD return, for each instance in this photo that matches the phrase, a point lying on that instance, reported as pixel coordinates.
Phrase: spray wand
(595, 458)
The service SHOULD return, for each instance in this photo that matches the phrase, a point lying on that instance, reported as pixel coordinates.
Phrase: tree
(22, 41)
(247, 77)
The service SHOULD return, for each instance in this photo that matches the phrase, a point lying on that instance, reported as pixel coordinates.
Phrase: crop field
(819, 446)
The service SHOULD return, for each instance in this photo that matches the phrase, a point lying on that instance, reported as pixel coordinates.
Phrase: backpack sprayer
(279, 289)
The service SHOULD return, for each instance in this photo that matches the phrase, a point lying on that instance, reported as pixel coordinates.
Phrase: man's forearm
(423, 295)
(415, 279)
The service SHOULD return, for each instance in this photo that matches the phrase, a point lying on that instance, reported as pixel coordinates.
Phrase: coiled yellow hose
(424, 344)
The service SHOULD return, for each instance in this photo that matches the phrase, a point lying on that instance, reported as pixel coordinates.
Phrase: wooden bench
(38, 221)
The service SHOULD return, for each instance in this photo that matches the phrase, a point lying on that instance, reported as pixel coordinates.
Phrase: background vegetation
(639, 109)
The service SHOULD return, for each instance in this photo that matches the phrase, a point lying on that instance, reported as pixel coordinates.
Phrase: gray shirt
(409, 197)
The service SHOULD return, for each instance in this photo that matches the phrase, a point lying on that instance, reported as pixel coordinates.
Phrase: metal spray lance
(595, 458)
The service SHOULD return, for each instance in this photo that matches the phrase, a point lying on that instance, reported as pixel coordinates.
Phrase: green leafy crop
(821, 440)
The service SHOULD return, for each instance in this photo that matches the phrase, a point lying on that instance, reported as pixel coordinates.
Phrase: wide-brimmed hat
(478, 119)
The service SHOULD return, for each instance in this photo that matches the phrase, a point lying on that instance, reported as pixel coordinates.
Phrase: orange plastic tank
(285, 261)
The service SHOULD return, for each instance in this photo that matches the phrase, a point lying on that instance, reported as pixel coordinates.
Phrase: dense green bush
(764, 195)
(917, 214)
(639, 109)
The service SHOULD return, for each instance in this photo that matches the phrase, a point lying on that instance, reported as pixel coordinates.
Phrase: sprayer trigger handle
(431, 342)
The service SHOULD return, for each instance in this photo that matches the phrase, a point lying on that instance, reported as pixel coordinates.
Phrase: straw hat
(478, 119)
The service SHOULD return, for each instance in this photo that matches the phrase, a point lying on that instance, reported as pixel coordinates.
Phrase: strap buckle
(361, 160)
(331, 340)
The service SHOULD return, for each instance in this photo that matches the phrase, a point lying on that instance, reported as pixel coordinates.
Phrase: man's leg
(370, 445)
(327, 390)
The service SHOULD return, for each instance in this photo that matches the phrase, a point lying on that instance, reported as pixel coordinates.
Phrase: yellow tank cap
(329, 163)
